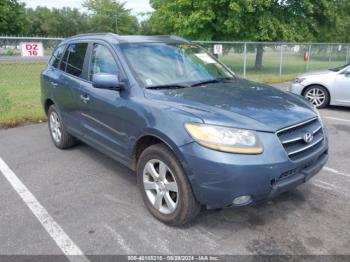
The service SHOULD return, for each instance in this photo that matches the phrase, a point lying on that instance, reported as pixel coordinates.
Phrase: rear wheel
(164, 186)
(317, 95)
(59, 135)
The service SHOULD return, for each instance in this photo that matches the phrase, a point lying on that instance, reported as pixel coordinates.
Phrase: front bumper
(296, 88)
(218, 177)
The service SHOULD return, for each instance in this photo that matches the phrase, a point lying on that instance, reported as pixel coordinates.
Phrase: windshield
(161, 64)
(337, 69)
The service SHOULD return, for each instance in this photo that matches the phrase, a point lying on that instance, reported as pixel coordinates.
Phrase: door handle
(54, 84)
(85, 98)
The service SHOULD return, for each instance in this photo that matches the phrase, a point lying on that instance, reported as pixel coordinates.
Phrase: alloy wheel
(55, 126)
(160, 186)
(316, 96)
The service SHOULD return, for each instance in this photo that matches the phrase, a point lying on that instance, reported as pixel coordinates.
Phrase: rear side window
(56, 56)
(73, 59)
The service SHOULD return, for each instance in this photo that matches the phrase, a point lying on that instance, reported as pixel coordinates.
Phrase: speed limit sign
(32, 49)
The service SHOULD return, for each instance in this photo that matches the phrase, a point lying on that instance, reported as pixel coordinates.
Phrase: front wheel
(317, 95)
(164, 186)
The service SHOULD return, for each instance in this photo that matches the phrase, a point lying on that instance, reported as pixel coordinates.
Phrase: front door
(342, 88)
(104, 110)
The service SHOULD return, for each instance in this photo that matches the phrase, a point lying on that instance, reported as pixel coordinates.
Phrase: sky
(137, 6)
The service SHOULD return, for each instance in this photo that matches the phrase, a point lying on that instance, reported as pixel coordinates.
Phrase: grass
(293, 65)
(20, 83)
(20, 94)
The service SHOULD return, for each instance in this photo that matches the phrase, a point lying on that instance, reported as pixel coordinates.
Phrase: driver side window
(102, 61)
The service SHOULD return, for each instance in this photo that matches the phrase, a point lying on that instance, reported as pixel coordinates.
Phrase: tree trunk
(259, 57)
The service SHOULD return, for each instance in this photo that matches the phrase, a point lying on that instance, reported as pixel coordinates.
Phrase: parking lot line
(332, 170)
(336, 118)
(119, 239)
(63, 241)
(323, 186)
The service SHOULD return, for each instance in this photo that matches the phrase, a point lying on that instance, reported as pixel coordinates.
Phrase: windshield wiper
(171, 86)
(213, 81)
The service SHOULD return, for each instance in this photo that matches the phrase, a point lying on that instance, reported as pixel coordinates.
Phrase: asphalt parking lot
(96, 203)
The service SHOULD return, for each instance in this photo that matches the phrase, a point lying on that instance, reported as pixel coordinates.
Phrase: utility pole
(116, 19)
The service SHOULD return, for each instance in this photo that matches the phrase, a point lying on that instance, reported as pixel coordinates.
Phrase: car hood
(239, 103)
(317, 73)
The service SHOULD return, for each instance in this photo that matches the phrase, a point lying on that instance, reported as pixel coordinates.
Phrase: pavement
(90, 203)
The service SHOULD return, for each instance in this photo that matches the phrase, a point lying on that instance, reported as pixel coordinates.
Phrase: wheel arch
(316, 84)
(151, 138)
(48, 102)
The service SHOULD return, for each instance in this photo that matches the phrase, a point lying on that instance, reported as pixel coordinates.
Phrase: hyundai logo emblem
(308, 137)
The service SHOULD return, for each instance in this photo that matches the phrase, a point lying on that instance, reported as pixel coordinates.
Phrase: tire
(317, 95)
(186, 206)
(59, 135)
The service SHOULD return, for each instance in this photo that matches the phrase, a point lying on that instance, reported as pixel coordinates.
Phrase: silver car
(322, 88)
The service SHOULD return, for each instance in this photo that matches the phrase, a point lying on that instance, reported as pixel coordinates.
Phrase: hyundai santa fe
(195, 133)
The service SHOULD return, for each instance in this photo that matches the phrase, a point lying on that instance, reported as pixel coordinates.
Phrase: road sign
(32, 49)
(218, 49)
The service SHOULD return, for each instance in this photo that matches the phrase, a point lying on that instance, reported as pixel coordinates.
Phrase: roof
(114, 38)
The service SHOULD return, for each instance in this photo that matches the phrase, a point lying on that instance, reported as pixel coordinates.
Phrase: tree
(56, 22)
(254, 20)
(153, 25)
(67, 22)
(39, 21)
(110, 16)
(12, 17)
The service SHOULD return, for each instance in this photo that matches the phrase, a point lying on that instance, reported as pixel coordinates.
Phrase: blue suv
(193, 131)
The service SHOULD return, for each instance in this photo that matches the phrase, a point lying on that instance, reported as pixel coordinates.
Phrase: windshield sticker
(184, 46)
(149, 82)
(205, 58)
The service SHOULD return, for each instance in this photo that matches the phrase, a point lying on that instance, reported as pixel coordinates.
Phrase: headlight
(299, 80)
(226, 139)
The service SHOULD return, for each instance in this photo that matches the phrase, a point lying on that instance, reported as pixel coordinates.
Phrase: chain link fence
(267, 62)
(20, 80)
(264, 62)
(273, 62)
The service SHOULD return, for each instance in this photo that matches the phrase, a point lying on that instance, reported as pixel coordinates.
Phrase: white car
(322, 88)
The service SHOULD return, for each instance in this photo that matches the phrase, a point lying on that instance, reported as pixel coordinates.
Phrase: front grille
(292, 139)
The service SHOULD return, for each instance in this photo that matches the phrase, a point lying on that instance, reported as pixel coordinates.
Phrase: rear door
(74, 77)
(52, 76)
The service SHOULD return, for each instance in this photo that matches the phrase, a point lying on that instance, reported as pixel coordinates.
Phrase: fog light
(242, 200)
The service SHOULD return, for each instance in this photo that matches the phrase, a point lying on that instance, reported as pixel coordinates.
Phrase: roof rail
(93, 34)
(175, 37)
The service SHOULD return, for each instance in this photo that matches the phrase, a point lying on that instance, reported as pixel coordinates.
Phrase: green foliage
(110, 16)
(12, 17)
(103, 16)
(55, 22)
(255, 20)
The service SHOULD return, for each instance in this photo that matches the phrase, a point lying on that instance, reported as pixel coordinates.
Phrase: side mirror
(107, 81)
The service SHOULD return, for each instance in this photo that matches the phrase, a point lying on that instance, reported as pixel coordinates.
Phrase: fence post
(347, 54)
(330, 55)
(281, 60)
(245, 61)
(308, 60)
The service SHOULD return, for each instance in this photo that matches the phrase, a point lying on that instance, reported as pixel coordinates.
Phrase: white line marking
(336, 118)
(62, 240)
(332, 170)
(326, 183)
(322, 186)
(120, 239)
